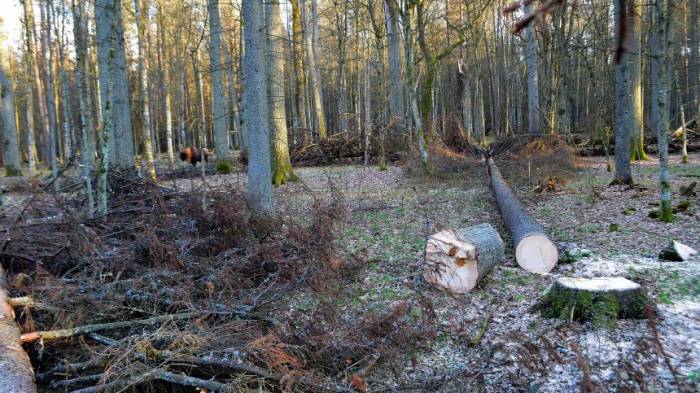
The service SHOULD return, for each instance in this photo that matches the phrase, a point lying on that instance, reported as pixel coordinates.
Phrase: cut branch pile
(186, 296)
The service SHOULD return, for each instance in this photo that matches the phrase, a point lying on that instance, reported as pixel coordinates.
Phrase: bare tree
(281, 166)
(141, 12)
(533, 93)
(624, 116)
(221, 144)
(256, 119)
(314, 68)
(9, 127)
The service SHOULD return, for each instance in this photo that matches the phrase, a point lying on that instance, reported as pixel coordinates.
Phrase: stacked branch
(534, 251)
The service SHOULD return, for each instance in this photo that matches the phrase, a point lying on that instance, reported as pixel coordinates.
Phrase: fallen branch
(64, 333)
(652, 320)
(16, 373)
(482, 330)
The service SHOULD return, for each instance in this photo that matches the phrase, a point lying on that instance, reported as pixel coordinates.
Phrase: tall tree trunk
(256, 121)
(314, 68)
(221, 145)
(199, 90)
(66, 107)
(164, 56)
(624, 118)
(368, 111)
(393, 34)
(299, 72)
(694, 27)
(141, 13)
(39, 92)
(467, 122)
(233, 98)
(634, 57)
(379, 65)
(47, 57)
(9, 127)
(87, 124)
(341, 17)
(661, 42)
(533, 95)
(121, 102)
(281, 166)
(104, 136)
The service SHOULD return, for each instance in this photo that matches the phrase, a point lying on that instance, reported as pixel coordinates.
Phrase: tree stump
(601, 300)
(677, 251)
(457, 260)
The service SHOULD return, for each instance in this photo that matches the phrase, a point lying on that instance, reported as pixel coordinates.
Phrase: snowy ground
(520, 351)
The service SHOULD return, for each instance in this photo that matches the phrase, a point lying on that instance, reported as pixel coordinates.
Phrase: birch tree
(281, 166)
(259, 191)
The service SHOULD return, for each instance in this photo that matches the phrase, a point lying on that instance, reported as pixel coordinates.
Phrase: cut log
(677, 251)
(601, 300)
(457, 260)
(16, 373)
(534, 251)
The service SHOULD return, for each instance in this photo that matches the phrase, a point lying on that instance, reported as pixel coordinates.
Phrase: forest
(349, 196)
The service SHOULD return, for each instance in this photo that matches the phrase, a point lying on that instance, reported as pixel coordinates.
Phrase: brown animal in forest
(193, 155)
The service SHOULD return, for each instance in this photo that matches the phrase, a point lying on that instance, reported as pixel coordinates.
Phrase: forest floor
(387, 216)
(519, 351)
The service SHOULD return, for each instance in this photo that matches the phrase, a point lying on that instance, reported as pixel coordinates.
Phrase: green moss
(602, 309)
(224, 167)
(11, 171)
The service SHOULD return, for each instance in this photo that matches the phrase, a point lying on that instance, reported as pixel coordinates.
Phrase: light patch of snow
(599, 284)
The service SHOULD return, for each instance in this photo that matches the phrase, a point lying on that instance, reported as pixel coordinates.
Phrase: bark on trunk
(221, 146)
(314, 69)
(622, 117)
(16, 373)
(457, 260)
(281, 166)
(393, 34)
(533, 95)
(534, 251)
(141, 21)
(9, 128)
(259, 191)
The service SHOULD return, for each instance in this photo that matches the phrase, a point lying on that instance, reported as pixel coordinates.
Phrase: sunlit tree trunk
(9, 127)
(259, 191)
(141, 12)
(393, 34)
(695, 55)
(164, 87)
(299, 71)
(87, 123)
(221, 145)
(661, 42)
(310, 23)
(634, 58)
(281, 166)
(379, 65)
(47, 57)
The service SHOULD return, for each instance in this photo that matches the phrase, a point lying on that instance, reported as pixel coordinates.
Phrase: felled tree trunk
(601, 300)
(534, 251)
(457, 260)
(16, 373)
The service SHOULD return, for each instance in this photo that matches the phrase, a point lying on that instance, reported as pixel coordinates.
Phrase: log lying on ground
(16, 373)
(601, 300)
(534, 251)
(457, 260)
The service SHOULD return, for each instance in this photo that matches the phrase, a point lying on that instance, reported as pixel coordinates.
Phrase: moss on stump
(601, 300)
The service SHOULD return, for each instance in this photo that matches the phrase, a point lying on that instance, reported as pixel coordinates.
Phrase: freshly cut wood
(457, 260)
(534, 251)
(16, 373)
(677, 251)
(602, 300)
